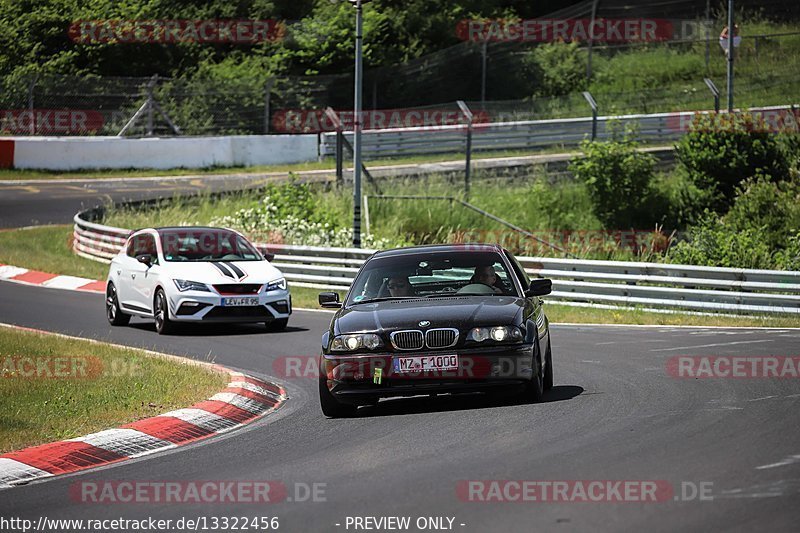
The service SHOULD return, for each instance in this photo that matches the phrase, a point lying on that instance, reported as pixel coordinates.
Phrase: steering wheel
(476, 288)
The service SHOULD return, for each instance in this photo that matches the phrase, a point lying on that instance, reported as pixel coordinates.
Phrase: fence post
(707, 24)
(468, 115)
(591, 40)
(31, 87)
(267, 94)
(337, 123)
(714, 91)
(593, 104)
(484, 57)
(150, 107)
(366, 214)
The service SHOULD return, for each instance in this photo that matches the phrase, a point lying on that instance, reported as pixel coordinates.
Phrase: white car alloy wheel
(163, 322)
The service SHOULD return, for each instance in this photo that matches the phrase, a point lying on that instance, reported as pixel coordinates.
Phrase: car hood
(455, 312)
(219, 272)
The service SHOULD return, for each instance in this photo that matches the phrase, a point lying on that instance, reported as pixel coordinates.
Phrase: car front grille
(414, 339)
(441, 337)
(408, 339)
(238, 288)
(253, 311)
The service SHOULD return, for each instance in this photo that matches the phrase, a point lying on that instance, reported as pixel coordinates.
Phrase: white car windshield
(206, 244)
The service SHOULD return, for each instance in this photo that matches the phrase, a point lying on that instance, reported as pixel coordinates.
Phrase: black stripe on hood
(238, 271)
(223, 269)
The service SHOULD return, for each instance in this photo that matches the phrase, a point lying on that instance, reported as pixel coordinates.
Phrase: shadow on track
(216, 330)
(462, 402)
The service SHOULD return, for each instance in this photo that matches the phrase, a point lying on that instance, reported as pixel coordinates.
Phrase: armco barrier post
(713, 88)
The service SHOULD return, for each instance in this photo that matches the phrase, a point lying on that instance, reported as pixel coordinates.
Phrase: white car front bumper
(200, 306)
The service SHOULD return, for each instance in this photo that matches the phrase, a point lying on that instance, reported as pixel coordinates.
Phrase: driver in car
(400, 286)
(487, 276)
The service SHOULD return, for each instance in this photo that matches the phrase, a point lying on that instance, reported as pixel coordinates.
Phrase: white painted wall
(77, 153)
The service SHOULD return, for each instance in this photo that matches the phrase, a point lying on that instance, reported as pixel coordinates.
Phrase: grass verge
(78, 387)
(47, 249)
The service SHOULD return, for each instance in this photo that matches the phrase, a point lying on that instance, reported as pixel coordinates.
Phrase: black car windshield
(433, 275)
(206, 244)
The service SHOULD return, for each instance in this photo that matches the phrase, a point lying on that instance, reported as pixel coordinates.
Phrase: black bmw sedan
(435, 319)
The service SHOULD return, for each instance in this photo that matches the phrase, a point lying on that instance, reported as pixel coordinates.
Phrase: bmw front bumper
(360, 378)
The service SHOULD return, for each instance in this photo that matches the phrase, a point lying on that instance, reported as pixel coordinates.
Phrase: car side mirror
(539, 287)
(329, 299)
(268, 256)
(145, 259)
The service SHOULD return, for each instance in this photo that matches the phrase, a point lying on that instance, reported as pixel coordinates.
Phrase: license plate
(239, 302)
(423, 363)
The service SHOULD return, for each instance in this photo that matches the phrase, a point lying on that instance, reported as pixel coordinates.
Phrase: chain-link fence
(499, 79)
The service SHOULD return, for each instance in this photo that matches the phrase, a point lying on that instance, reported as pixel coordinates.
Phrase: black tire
(114, 314)
(277, 325)
(331, 407)
(534, 389)
(548, 367)
(164, 324)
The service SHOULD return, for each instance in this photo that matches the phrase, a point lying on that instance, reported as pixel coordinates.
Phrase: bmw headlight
(278, 284)
(350, 343)
(185, 285)
(496, 333)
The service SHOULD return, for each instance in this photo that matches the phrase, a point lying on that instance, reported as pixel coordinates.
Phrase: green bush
(619, 179)
(558, 68)
(679, 203)
(761, 230)
(773, 209)
(712, 243)
(722, 150)
(790, 146)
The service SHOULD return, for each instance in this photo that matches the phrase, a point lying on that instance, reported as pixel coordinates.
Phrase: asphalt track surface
(614, 414)
(37, 202)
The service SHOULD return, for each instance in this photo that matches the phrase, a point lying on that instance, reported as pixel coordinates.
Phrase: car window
(433, 275)
(143, 244)
(206, 244)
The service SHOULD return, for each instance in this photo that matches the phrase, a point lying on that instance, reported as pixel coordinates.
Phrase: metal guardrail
(654, 285)
(658, 127)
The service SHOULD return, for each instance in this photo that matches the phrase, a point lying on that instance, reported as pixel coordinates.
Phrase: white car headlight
(349, 343)
(278, 284)
(496, 333)
(185, 285)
